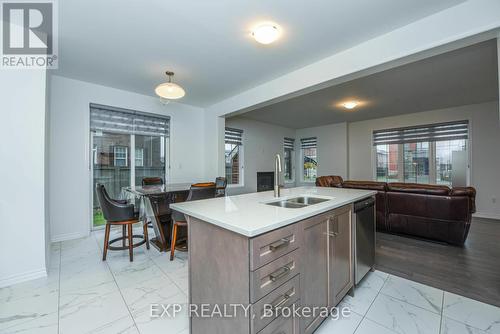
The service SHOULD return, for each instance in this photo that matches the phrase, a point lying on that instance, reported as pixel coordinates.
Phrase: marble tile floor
(82, 294)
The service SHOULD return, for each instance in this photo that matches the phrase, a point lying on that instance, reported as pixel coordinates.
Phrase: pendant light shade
(170, 90)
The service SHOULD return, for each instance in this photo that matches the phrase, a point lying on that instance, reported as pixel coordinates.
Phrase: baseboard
(486, 215)
(19, 278)
(68, 236)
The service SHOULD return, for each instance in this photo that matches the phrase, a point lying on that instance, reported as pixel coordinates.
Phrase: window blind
(118, 120)
(422, 133)
(308, 142)
(233, 136)
(289, 143)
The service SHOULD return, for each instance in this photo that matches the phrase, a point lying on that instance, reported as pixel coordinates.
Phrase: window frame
(433, 170)
(241, 160)
(302, 156)
(115, 154)
(292, 160)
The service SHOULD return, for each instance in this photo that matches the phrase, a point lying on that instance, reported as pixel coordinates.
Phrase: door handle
(279, 273)
(283, 300)
(333, 234)
(279, 244)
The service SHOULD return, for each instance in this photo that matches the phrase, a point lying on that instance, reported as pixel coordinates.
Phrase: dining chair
(152, 181)
(119, 213)
(196, 192)
(220, 186)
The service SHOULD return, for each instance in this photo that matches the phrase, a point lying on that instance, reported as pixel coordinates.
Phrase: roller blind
(233, 136)
(308, 142)
(422, 133)
(118, 120)
(289, 143)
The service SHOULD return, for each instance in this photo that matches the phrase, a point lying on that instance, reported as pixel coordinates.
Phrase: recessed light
(266, 33)
(350, 104)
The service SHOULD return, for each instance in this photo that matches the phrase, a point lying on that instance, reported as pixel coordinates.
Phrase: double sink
(298, 202)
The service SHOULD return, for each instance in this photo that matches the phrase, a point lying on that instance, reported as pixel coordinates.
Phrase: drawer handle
(279, 244)
(279, 273)
(283, 300)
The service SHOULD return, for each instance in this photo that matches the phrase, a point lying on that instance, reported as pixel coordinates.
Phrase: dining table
(140, 196)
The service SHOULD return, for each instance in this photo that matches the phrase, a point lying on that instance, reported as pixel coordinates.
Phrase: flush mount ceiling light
(169, 90)
(350, 104)
(266, 33)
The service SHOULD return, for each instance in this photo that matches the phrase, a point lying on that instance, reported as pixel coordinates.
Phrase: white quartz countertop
(249, 215)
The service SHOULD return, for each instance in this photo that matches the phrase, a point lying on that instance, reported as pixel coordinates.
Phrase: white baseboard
(68, 236)
(19, 278)
(486, 215)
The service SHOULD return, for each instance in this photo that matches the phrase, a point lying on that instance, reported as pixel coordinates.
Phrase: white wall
(261, 141)
(22, 174)
(332, 149)
(484, 147)
(70, 180)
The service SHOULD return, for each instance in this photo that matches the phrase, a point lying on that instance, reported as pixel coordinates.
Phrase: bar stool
(196, 192)
(119, 213)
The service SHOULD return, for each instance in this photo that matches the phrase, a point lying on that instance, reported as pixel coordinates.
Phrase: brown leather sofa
(422, 210)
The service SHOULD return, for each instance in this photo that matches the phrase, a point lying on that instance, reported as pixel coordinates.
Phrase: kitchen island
(269, 254)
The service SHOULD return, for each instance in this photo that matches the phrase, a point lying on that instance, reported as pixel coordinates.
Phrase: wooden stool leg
(106, 242)
(124, 235)
(172, 244)
(146, 236)
(130, 243)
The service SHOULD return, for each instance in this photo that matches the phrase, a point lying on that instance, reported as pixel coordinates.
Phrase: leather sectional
(422, 210)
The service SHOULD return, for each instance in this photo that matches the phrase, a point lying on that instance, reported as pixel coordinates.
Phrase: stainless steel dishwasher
(364, 237)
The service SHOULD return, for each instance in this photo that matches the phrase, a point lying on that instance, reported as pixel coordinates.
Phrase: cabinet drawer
(284, 296)
(272, 275)
(281, 325)
(270, 246)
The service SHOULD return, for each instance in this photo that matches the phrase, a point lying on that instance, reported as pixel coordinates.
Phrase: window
(233, 149)
(387, 163)
(120, 154)
(126, 146)
(288, 157)
(309, 159)
(139, 157)
(422, 154)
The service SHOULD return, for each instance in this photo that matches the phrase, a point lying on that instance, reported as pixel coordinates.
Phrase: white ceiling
(460, 77)
(130, 44)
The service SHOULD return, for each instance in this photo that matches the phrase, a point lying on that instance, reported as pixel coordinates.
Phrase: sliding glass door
(126, 146)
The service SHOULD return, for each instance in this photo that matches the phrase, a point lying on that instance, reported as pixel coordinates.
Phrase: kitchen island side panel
(218, 274)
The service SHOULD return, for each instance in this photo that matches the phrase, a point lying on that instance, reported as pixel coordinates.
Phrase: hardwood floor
(472, 271)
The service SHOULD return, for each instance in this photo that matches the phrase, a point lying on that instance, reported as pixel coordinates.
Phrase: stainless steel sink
(307, 200)
(298, 202)
(287, 204)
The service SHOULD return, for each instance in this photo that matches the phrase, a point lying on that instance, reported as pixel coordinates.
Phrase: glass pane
(149, 157)
(387, 163)
(416, 162)
(232, 155)
(111, 165)
(288, 160)
(310, 164)
(444, 153)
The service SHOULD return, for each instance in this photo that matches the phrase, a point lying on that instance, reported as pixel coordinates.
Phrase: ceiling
(461, 77)
(130, 44)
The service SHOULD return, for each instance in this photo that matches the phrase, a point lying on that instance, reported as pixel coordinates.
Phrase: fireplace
(265, 181)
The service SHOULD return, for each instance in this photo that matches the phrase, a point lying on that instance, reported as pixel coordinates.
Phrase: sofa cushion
(371, 185)
(329, 181)
(417, 188)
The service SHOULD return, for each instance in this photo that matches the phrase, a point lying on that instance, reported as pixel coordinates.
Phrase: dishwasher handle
(363, 204)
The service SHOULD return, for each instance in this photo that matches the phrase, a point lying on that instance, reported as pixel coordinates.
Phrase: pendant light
(169, 90)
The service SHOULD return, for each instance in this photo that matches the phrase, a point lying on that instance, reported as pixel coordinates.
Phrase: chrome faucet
(277, 172)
